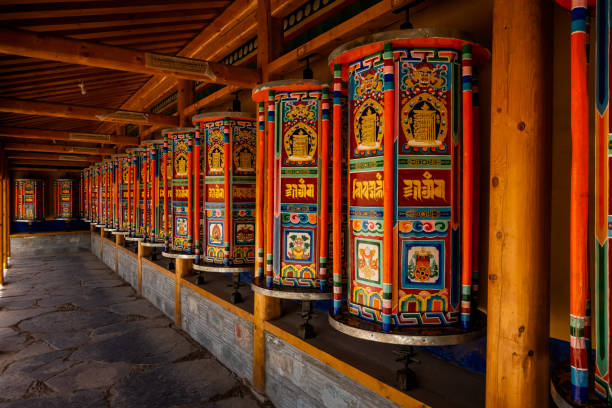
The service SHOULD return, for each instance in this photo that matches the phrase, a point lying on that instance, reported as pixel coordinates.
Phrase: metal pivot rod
(406, 378)
(236, 296)
(306, 330)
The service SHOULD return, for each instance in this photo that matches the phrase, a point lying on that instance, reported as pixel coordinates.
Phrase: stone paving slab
(73, 334)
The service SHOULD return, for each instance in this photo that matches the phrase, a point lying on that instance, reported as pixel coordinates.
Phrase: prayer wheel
(410, 176)
(62, 197)
(95, 197)
(154, 191)
(29, 200)
(106, 197)
(297, 139)
(85, 192)
(123, 178)
(226, 206)
(136, 194)
(180, 210)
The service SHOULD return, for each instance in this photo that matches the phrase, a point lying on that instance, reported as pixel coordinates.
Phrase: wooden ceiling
(160, 26)
(50, 86)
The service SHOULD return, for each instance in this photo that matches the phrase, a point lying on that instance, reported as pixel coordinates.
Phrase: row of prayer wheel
(364, 187)
(30, 199)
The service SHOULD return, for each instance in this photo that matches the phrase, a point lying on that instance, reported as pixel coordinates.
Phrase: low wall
(95, 244)
(24, 245)
(295, 379)
(158, 288)
(128, 266)
(227, 336)
(108, 253)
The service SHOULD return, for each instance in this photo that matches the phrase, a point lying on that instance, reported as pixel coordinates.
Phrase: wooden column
(265, 308)
(184, 98)
(519, 247)
(142, 252)
(183, 269)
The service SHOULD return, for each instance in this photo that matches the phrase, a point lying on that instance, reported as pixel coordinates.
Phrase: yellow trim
(215, 299)
(109, 241)
(351, 372)
(158, 268)
(38, 234)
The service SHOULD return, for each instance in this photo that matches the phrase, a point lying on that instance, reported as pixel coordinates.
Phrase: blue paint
(49, 226)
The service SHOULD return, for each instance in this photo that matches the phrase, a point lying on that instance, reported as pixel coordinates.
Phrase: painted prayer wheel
(154, 190)
(95, 197)
(297, 138)
(136, 194)
(86, 196)
(227, 201)
(106, 196)
(410, 176)
(29, 200)
(62, 198)
(123, 177)
(180, 210)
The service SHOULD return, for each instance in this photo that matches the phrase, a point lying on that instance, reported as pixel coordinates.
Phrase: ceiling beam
(55, 148)
(37, 162)
(49, 47)
(23, 167)
(52, 156)
(60, 110)
(26, 133)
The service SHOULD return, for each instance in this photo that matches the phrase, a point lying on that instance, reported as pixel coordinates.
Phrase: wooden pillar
(519, 247)
(183, 269)
(265, 308)
(184, 98)
(142, 252)
(119, 241)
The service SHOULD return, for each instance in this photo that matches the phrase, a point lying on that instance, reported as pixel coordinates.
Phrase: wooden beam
(22, 167)
(48, 47)
(59, 163)
(521, 129)
(368, 21)
(27, 133)
(55, 148)
(53, 156)
(214, 98)
(29, 107)
(184, 98)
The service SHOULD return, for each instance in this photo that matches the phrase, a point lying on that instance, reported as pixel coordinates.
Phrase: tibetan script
(369, 189)
(215, 192)
(300, 190)
(425, 189)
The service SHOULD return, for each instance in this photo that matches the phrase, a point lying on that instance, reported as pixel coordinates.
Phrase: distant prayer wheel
(29, 199)
(154, 190)
(86, 202)
(62, 197)
(180, 210)
(225, 148)
(136, 194)
(410, 147)
(123, 178)
(297, 159)
(106, 196)
(94, 189)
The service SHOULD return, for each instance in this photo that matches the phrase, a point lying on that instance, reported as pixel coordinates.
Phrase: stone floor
(73, 334)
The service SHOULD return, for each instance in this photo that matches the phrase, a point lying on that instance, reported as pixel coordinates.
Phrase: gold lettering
(369, 189)
(244, 192)
(300, 190)
(426, 189)
(216, 192)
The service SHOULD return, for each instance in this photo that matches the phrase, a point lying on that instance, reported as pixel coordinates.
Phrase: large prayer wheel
(410, 176)
(94, 190)
(227, 201)
(62, 198)
(297, 139)
(29, 200)
(123, 177)
(181, 210)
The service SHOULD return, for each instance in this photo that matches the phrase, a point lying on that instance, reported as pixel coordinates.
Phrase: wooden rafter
(43, 46)
(55, 148)
(37, 162)
(53, 156)
(59, 110)
(27, 133)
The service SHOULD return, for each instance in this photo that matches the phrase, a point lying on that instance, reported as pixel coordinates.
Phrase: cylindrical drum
(181, 211)
(29, 199)
(62, 189)
(154, 190)
(136, 194)
(227, 202)
(95, 188)
(410, 150)
(106, 190)
(297, 139)
(122, 177)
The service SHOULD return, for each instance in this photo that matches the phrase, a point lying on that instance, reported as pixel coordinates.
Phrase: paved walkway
(74, 335)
